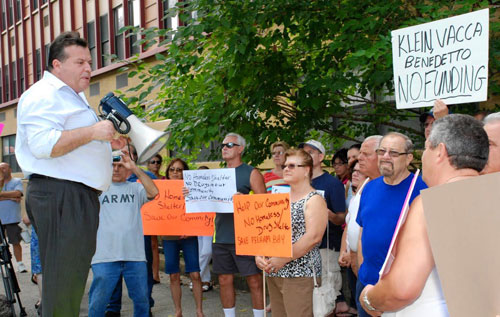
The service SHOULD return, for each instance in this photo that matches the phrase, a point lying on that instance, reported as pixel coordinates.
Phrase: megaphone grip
(116, 123)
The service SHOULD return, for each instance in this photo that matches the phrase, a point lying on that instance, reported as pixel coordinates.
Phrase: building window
(91, 43)
(18, 10)
(95, 89)
(119, 22)
(11, 12)
(8, 154)
(47, 49)
(7, 87)
(105, 46)
(14, 80)
(134, 9)
(21, 74)
(121, 80)
(34, 4)
(38, 64)
(2, 116)
(4, 16)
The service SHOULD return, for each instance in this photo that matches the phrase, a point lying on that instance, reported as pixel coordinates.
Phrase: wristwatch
(367, 303)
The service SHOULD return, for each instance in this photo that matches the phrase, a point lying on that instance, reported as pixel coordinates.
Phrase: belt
(98, 192)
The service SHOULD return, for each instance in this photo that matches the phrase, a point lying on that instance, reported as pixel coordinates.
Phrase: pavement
(161, 293)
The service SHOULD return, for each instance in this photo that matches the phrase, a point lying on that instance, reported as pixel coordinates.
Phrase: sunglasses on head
(292, 166)
(154, 162)
(175, 169)
(229, 145)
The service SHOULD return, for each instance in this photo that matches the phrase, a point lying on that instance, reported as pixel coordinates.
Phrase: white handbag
(324, 296)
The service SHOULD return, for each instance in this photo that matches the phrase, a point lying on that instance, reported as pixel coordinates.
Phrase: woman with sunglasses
(189, 245)
(290, 280)
(154, 166)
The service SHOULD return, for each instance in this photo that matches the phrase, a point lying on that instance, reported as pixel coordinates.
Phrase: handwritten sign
(445, 59)
(280, 189)
(210, 190)
(1, 127)
(262, 225)
(165, 215)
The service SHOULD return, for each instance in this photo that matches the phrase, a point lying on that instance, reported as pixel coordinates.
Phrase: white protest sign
(210, 190)
(277, 189)
(445, 59)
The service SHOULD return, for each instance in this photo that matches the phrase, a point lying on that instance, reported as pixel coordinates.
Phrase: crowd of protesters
(361, 204)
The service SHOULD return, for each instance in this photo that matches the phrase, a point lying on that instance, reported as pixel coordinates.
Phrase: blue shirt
(10, 211)
(335, 201)
(133, 178)
(378, 214)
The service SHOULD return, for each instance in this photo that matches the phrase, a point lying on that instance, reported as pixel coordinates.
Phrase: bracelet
(367, 303)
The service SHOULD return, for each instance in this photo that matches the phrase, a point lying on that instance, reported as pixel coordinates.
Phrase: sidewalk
(161, 294)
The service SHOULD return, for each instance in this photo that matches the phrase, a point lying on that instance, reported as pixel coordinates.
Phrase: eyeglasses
(175, 169)
(381, 152)
(154, 162)
(229, 145)
(291, 166)
(278, 153)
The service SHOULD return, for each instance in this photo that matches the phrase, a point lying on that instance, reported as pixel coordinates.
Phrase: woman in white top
(350, 236)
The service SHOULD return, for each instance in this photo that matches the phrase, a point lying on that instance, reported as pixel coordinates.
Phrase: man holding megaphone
(65, 152)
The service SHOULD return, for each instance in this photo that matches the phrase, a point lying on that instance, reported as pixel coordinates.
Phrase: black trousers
(66, 216)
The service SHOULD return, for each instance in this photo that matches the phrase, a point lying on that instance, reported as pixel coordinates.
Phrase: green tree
(284, 69)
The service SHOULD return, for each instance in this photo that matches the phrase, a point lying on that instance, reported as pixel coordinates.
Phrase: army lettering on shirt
(117, 199)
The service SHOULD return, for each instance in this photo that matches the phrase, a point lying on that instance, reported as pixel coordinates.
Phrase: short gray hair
(464, 138)
(377, 138)
(492, 118)
(241, 140)
(408, 142)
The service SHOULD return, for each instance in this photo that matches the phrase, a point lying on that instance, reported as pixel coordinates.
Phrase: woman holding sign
(290, 280)
(172, 246)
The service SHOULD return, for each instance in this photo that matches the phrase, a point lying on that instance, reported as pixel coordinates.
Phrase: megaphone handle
(116, 124)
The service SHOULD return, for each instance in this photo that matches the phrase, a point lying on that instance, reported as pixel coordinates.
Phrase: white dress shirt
(45, 110)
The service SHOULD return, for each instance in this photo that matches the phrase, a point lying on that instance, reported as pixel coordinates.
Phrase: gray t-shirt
(120, 236)
(10, 211)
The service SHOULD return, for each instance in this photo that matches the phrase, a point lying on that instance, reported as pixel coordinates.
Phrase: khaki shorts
(291, 296)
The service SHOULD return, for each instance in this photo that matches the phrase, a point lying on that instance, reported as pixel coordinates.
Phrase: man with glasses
(334, 195)
(225, 261)
(380, 207)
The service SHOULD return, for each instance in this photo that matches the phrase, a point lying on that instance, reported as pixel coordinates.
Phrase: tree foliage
(284, 69)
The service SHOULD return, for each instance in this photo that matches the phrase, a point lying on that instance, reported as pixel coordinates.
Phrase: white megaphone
(147, 141)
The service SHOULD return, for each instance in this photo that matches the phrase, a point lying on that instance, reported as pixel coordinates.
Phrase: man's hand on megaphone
(103, 131)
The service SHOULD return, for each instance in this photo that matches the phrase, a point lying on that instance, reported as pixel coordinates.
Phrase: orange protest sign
(166, 214)
(262, 225)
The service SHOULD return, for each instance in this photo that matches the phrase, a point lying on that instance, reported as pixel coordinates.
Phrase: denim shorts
(189, 247)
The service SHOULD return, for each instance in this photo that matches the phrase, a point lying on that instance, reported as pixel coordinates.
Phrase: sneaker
(206, 287)
(21, 268)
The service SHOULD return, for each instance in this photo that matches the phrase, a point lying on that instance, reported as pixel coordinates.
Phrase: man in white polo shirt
(65, 151)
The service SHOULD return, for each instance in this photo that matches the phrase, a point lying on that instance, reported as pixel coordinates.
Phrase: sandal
(33, 279)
